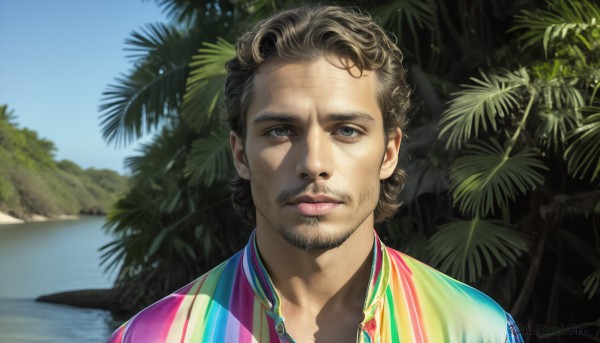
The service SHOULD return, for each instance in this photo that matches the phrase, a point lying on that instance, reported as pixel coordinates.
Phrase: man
(316, 99)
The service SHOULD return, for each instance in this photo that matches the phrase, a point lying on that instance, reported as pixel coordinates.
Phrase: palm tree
(517, 148)
(529, 138)
(168, 228)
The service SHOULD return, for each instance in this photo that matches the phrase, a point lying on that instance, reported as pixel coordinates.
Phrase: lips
(314, 205)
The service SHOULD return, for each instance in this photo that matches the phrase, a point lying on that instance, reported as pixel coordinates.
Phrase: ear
(390, 158)
(239, 156)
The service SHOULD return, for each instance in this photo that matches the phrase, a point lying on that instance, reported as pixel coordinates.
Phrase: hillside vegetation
(33, 183)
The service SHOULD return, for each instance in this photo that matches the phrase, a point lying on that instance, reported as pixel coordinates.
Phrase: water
(49, 257)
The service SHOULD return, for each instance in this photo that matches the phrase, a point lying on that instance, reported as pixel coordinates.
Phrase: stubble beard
(313, 241)
(310, 237)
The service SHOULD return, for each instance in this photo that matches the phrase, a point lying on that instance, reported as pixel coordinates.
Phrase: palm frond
(562, 19)
(136, 105)
(150, 41)
(166, 152)
(476, 106)
(125, 220)
(142, 99)
(416, 14)
(555, 125)
(583, 153)
(485, 178)
(190, 12)
(560, 92)
(206, 82)
(462, 248)
(591, 284)
(210, 160)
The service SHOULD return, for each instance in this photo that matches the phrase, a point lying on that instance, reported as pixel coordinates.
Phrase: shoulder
(168, 317)
(448, 305)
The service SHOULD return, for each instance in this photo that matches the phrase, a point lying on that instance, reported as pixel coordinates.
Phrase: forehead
(322, 84)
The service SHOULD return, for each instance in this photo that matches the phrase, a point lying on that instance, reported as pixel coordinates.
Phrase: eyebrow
(352, 116)
(275, 117)
(292, 118)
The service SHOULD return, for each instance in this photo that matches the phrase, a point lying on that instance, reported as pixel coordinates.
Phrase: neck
(314, 279)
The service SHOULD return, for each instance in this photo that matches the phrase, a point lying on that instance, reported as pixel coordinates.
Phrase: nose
(315, 159)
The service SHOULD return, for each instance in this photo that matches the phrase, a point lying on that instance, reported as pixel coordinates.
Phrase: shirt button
(280, 328)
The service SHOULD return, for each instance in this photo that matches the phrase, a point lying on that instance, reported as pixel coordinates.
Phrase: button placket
(280, 327)
(284, 336)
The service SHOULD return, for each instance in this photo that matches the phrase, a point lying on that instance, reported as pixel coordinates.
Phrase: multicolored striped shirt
(407, 301)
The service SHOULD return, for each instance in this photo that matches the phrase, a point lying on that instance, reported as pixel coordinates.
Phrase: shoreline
(8, 219)
(96, 298)
(100, 298)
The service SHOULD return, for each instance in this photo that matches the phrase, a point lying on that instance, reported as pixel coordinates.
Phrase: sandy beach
(6, 219)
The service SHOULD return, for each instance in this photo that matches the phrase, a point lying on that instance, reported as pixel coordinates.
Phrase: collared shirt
(406, 301)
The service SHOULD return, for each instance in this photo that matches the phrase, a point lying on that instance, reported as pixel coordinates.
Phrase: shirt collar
(259, 279)
(378, 281)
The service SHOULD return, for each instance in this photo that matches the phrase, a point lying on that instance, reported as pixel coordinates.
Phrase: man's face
(315, 151)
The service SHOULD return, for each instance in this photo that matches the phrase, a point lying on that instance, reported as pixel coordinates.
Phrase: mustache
(286, 196)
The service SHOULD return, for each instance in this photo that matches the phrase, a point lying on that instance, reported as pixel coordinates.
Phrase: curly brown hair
(306, 33)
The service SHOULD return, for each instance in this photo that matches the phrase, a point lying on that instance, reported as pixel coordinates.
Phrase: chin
(311, 236)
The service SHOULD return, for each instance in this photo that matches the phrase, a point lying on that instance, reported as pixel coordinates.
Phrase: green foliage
(485, 177)
(583, 155)
(166, 229)
(35, 194)
(554, 126)
(462, 247)
(592, 284)
(493, 97)
(538, 110)
(210, 159)
(205, 84)
(414, 14)
(23, 147)
(154, 88)
(187, 12)
(565, 22)
(32, 182)
(7, 192)
(6, 116)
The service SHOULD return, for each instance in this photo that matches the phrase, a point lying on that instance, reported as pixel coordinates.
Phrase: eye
(279, 131)
(347, 131)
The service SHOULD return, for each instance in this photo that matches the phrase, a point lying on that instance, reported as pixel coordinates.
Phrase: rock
(87, 298)
(93, 212)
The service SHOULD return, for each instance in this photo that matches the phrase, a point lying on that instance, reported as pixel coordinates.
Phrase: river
(48, 257)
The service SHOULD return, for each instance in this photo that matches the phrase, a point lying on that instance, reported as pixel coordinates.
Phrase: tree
(7, 116)
(528, 138)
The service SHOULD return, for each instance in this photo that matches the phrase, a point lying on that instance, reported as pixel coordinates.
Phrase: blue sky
(57, 58)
